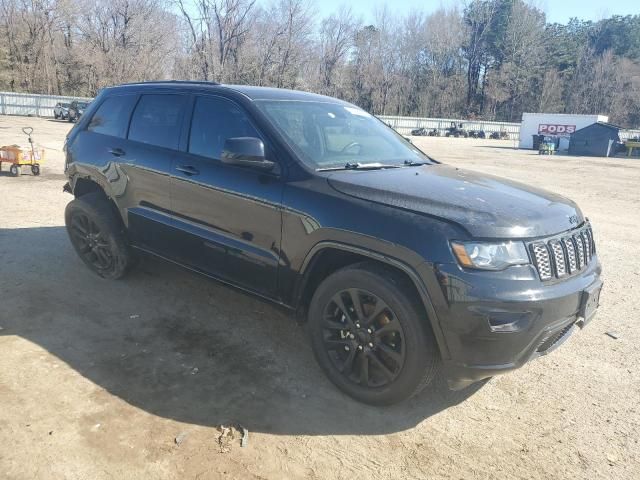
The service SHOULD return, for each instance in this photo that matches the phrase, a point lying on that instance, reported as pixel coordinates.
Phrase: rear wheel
(35, 169)
(98, 236)
(15, 170)
(370, 335)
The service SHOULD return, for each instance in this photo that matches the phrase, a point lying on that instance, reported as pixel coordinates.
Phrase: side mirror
(246, 152)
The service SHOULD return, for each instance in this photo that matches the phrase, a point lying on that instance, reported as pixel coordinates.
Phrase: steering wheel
(351, 145)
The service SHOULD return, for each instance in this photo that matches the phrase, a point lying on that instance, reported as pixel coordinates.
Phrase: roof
(270, 93)
(564, 115)
(602, 124)
(253, 93)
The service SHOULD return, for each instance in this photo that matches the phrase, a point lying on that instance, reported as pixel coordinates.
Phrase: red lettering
(560, 130)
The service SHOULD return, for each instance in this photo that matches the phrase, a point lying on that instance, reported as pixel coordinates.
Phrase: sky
(557, 10)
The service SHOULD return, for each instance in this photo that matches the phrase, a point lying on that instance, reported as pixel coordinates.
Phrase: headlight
(490, 256)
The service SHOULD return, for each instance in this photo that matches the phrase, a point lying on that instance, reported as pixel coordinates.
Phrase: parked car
(76, 109)
(401, 266)
(61, 111)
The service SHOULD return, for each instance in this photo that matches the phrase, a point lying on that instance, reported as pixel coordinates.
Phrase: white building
(554, 124)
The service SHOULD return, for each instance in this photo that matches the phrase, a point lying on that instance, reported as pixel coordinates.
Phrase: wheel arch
(85, 185)
(327, 257)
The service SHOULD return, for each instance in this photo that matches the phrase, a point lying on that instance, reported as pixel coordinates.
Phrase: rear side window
(157, 120)
(112, 116)
(214, 120)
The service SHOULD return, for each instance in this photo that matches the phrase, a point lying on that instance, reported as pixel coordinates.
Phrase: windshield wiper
(359, 166)
(411, 163)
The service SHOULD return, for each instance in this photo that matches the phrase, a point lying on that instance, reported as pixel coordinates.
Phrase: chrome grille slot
(587, 245)
(579, 250)
(558, 257)
(571, 254)
(543, 262)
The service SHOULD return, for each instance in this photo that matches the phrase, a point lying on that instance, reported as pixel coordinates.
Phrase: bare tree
(283, 40)
(218, 31)
(492, 59)
(337, 36)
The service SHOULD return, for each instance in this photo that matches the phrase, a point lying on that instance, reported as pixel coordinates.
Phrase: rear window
(157, 120)
(112, 117)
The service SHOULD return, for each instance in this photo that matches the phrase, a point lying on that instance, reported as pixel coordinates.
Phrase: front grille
(561, 256)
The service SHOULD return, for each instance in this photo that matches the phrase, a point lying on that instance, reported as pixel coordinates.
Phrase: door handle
(116, 152)
(188, 170)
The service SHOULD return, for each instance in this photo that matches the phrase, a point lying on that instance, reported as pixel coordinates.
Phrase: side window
(157, 120)
(214, 120)
(112, 116)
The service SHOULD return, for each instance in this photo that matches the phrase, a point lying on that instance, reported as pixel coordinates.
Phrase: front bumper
(494, 322)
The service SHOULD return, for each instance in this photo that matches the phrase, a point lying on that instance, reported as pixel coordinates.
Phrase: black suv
(403, 267)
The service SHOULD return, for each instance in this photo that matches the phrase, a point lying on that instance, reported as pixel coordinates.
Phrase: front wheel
(98, 236)
(370, 335)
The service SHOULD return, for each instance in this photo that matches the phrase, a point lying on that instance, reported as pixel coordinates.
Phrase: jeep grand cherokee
(403, 267)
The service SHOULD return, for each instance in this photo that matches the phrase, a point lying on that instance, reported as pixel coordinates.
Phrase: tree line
(490, 59)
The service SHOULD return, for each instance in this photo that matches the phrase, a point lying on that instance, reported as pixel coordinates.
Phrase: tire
(15, 170)
(35, 169)
(98, 236)
(56, 116)
(400, 328)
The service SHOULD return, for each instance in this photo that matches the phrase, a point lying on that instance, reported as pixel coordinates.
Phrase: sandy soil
(97, 378)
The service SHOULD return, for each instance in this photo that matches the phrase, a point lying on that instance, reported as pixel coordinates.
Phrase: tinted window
(214, 120)
(112, 117)
(157, 120)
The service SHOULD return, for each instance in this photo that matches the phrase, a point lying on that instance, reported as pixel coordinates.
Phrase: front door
(228, 217)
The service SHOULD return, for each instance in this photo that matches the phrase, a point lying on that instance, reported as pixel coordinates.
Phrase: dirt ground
(98, 378)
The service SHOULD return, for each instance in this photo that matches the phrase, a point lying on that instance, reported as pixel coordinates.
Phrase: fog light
(505, 321)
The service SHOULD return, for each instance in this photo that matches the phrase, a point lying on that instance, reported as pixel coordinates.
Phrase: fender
(393, 262)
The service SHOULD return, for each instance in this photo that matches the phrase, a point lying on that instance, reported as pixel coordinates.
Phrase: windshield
(329, 135)
(82, 104)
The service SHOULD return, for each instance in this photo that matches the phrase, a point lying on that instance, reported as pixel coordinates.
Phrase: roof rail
(191, 82)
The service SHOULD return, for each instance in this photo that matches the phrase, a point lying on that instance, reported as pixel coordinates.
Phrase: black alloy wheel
(98, 235)
(363, 338)
(370, 334)
(90, 242)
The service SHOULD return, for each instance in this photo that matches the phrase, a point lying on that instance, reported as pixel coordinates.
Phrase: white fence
(404, 125)
(28, 104)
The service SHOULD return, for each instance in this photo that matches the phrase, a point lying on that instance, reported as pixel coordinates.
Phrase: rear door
(229, 218)
(102, 141)
(153, 141)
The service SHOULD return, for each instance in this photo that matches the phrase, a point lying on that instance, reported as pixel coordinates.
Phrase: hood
(485, 205)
